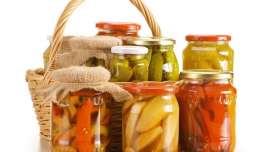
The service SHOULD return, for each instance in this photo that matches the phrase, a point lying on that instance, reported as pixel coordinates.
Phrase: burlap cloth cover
(74, 79)
(76, 50)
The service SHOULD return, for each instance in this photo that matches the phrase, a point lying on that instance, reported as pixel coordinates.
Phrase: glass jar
(129, 63)
(82, 123)
(118, 29)
(208, 52)
(151, 119)
(207, 112)
(163, 62)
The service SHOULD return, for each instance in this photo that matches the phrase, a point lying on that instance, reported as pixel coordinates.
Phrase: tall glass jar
(118, 29)
(82, 122)
(129, 63)
(163, 62)
(151, 119)
(208, 52)
(207, 112)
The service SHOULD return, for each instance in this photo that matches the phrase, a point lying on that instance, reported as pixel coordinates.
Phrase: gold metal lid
(206, 74)
(149, 41)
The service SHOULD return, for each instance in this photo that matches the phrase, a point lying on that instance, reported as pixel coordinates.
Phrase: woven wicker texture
(40, 78)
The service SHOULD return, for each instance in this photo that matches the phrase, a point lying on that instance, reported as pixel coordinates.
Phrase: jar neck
(163, 48)
(130, 56)
(203, 81)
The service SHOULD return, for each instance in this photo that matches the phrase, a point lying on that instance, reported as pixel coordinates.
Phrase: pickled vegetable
(163, 62)
(151, 120)
(128, 66)
(208, 53)
(207, 115)
(83, 124)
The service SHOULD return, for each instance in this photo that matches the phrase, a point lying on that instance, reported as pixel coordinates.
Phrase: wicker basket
(38, 78)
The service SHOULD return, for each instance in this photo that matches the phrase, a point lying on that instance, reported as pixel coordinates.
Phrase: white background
(25, 24)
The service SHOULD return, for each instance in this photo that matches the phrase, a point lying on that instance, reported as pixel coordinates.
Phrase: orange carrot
(83, 138)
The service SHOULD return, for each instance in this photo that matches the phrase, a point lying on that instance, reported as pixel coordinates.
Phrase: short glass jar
(129, 63)
(163, 62)
(208, 52)
(151, 119)
(207, 111)
(81, 123)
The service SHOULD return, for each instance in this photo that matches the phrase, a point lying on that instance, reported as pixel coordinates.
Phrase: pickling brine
(151, 119)
(207, 112)
(82, 122)
(211, 52)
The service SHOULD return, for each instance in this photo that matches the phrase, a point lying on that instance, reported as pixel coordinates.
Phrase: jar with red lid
(151, 119)
(207, 111)
(118, 29)
(208, 52)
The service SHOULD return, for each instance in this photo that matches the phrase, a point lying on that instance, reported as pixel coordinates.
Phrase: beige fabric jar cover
(76, 50)
(74, 79)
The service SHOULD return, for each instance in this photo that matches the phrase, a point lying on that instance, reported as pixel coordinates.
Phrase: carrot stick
(83, 127)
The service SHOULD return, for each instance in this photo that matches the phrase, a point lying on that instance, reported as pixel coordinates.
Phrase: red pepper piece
(83, 127)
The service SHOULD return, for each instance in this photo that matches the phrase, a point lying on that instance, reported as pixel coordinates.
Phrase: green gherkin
(171, 65)
(155, 68)
(140, 70)
(121, 71)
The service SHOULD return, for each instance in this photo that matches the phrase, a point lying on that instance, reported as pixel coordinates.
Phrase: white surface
(25, 25)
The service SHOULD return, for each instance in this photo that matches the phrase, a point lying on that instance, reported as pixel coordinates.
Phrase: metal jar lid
(206, 74)
(150, 41)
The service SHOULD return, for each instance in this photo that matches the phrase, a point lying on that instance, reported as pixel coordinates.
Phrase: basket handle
(68, 11)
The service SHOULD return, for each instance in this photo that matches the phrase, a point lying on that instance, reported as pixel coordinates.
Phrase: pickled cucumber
(155, 67)
(171, 72)
(121, 71)
(140, 70)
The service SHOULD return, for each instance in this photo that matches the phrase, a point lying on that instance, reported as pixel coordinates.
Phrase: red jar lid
(121, 26)
(155, 88)
(208, 37)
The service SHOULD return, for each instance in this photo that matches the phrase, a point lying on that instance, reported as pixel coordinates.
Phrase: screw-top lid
(120, 26)
(208, 37)
(129, 50)
(206, 74)
(149, 41)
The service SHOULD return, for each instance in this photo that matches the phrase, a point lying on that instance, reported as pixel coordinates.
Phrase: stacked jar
(206, 95)
(163, 62)
(207, 102)
(129, 63)
(208, 52)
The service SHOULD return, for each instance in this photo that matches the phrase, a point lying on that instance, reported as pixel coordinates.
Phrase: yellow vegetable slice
(154, 112)
(131, 122)
(147, 138)
(127, 105)
(170, 127)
